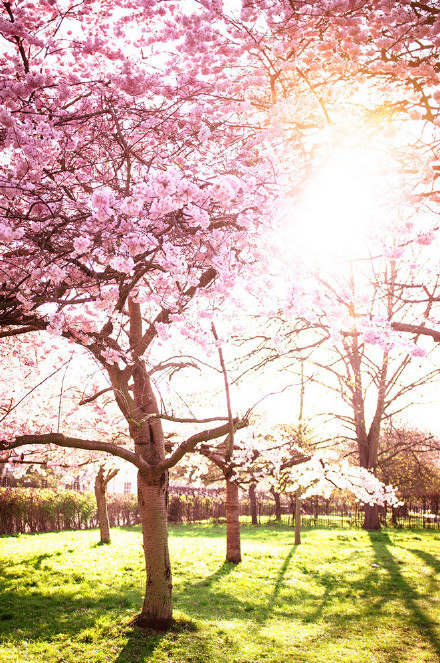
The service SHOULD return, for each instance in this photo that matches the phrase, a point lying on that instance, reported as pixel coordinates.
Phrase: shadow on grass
(32, 614)
(429, 559)
(203, 600)
(207, 600)
(34, 561)
(297, 588)
(267, 611)
(43, 603)
(142, 643)
(46, 607)
(225, 569)
(397, 584)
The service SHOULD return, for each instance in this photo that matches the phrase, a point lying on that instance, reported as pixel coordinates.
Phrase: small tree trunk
(157, 607)
(233, 544)
(101, 503)
(277, 499)
(2, 472)
(371, 517)
(253, 501)
(298, 517)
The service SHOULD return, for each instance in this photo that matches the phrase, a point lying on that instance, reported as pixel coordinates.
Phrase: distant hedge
(47, 510)
(44, 510)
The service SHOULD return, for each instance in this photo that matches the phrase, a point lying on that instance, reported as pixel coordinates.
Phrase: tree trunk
(277, 499)
(233, 545)
(157, 607)
(371, 511)
(298, 517)
(371, 517)
(101, 503)
(253, 501)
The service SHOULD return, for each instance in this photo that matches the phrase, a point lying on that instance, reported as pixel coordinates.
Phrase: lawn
(342, 594)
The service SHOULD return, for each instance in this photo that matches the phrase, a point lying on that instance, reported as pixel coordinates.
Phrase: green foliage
(122, 509)
(43, 510)
(193, 508)
(341, 595)
(414, 476)
(408, 459)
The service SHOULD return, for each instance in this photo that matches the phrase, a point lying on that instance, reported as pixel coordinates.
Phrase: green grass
(342, 595)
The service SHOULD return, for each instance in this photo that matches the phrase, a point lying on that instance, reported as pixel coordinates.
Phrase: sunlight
(341, 206)
(334, 211)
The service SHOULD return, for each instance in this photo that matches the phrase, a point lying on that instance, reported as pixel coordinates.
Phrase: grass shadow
(196, 598)
(429, 559)
(224, 570)
(142, 642)
(398, 585)
(39, 602)
(267, 611)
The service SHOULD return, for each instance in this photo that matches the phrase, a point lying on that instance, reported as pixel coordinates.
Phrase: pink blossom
(125, 265)
(425, 238)
(6, 118)
(82, 244)
(417, 351)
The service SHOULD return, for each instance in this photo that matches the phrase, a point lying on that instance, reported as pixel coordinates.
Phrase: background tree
(408, 459)
(102, 479)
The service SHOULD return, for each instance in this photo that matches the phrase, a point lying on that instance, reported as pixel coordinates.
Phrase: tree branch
(416, 329)
(229, 445)
(61, 440)
(190, 444)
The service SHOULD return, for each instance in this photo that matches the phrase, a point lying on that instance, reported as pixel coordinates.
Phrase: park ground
(341, 595)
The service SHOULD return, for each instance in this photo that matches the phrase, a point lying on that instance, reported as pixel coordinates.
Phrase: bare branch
(230, 440)
(182, 420)
(92, 398)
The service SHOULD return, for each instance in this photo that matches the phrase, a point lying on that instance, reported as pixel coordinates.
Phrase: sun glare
(340, 207)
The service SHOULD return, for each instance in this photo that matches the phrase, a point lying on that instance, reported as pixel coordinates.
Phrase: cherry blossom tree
(373, 372)
(118, 217)
(136, 180)
(271, 456)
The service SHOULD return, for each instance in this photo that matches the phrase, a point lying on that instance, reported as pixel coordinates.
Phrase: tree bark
(371, 517)
(371, 511)
(367, 442)
(277, 499)
(101, 503)
(298, 517)
(253, 503)
(157, 606)
(2, 472)
(233, 544)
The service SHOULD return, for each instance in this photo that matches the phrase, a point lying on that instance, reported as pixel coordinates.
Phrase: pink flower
(425, 238)
(82, 244)
(417, 351)
(121, 264)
